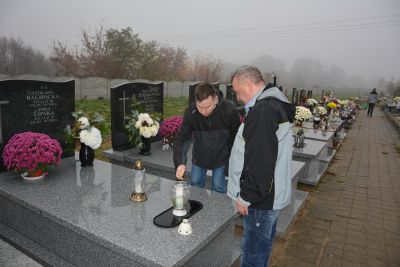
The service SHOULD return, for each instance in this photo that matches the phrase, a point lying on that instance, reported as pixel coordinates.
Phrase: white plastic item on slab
(185, 228)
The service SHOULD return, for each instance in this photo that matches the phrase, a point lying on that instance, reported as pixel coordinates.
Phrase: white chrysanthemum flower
(145, 132)
(91, 137)
(302, 113)
(149, 121)
(84, 122)
(153, 130)
(320, 110)
(311, 101)
(138, 124)
(143, 117)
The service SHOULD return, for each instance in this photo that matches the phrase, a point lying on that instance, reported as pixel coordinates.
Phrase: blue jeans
(218, 178)
(258, 234)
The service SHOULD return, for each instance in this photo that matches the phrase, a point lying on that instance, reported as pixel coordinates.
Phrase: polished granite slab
(312, 149)
(332, 126)
(316, 134)
(311, 155)
(85, 217)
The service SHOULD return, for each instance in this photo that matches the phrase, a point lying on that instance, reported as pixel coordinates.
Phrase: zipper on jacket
(270, 187)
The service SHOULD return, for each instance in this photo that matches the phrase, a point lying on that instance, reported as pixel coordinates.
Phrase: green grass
(175, 106)
(172, 106)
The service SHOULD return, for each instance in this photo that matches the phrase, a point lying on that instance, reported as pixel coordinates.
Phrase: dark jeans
(370, 109)
(259, 229)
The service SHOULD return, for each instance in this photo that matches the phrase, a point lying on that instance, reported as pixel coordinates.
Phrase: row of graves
(85, 215)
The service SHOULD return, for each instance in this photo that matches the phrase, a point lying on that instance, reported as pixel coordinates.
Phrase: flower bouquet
(311, 102)
(331, 105)
(302, 114)
(169, 128)
(141, 126)
(85, 130)
(31, 154)
(88, 135)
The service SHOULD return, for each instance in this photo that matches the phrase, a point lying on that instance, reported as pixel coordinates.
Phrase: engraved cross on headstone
(123, 99)
(2, 102)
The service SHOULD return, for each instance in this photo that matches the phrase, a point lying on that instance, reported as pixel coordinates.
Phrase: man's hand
(242, 209)
(180, 172)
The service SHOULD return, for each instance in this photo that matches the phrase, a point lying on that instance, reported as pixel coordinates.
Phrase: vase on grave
(86, 155)
(145, 149)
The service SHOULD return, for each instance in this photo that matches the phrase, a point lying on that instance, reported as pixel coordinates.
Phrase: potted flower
(88, 135)
(169, 128)
(31, 154)
(302, 114)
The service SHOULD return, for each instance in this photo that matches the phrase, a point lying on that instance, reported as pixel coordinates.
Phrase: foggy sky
(361, 36)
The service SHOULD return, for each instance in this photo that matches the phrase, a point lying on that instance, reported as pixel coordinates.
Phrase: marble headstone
(150, 97)
(36, 106)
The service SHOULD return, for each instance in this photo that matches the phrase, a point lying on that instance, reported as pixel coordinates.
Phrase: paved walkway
(353, 217)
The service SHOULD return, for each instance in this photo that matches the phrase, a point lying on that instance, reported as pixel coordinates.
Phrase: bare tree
(17, 58)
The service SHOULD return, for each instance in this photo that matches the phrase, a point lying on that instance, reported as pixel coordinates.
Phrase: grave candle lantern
(139, 182)
(180, 195)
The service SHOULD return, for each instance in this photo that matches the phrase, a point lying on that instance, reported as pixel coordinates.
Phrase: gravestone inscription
(148, 95)
(36, 106)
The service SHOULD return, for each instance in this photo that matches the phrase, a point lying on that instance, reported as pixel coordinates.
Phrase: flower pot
(145, 150)
(33, 175)
(86, 155)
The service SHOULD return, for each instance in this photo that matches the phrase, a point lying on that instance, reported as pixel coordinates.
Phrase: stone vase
(86, 155)
(145, 150)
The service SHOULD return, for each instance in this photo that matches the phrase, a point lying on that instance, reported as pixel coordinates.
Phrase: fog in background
(334, 42)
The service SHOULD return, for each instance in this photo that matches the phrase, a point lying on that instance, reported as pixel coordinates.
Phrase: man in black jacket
(212, 121)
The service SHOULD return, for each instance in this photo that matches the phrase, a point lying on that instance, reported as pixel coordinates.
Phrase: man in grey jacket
(260, 163)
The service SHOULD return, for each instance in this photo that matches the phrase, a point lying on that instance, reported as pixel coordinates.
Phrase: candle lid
(138, 165)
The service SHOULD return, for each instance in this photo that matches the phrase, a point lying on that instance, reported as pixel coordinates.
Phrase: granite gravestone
(150, 97)
(192, 87)
(216, 85)
(309, 94)
(303, 95)
(36, 106)
(295, 96)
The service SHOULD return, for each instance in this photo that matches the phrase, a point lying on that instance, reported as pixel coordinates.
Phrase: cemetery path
(353, 217)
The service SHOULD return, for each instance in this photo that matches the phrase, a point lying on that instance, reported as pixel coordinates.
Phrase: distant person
(372, 98)
(212, 121)
(260, 164)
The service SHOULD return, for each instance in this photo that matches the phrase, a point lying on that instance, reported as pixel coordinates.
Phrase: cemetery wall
(97, 87)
